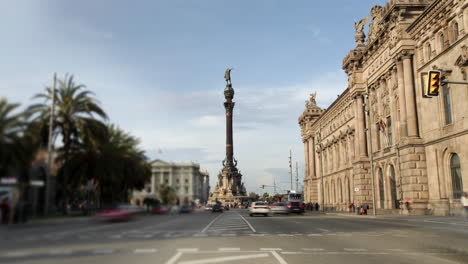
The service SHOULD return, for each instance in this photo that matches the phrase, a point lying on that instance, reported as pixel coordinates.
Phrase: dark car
(296, 207)
(217, 208)
(185, 209)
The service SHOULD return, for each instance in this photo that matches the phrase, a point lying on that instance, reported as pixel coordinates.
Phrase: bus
(293, 196)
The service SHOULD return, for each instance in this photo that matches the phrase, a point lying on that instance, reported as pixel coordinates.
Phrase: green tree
(75, 116)
(12, 127)
(114, 161)
(167, 194)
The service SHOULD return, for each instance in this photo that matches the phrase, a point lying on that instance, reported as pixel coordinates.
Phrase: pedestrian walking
(317, 206)
(464, 201)
(365, 207)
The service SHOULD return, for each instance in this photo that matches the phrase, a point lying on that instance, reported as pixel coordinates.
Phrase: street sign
(356, 189)
(36, 183)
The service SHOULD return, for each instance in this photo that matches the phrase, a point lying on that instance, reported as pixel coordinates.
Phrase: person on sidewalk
(464, 201)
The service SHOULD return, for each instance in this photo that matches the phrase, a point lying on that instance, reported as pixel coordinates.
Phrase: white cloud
(208, 121)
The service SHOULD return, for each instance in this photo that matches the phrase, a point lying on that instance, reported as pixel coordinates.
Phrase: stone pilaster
(414, 181)
(362, 181)
(401, 96)
(409, 94)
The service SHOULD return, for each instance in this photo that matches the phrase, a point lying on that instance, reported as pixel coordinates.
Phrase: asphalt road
(234, 237)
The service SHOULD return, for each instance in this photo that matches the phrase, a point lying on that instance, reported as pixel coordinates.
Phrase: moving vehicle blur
(296, 207)
(160, 210)
(259, 208)
(184, 209)
(208, 207)
(119, 212)
(280, 208)
(217, 208)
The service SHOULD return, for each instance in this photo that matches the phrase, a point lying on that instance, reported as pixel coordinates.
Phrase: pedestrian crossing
(51, 253)
(230, 222)
(214, 231)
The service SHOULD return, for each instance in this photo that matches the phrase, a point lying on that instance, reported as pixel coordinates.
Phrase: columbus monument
(229, 189)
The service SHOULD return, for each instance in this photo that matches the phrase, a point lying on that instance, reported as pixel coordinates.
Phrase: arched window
(332, 198)
(456, 33)
(381, 189)
(348, 188)
(327, 194)
(428, 51)
(393, 188)
(455, 171)
(447, 105)
(340, 191)
(441, 42)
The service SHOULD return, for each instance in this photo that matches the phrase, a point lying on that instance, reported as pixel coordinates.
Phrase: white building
(187, 179)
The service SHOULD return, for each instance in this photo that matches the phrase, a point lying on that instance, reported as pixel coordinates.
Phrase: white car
(259, 208)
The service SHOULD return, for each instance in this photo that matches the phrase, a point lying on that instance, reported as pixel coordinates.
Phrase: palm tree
(75, 117)
(114, 161)
(13, 150)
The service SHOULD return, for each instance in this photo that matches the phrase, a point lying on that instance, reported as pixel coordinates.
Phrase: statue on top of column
(227, 75)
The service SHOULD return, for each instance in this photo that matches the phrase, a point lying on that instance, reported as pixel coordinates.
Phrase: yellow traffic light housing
(434, 83)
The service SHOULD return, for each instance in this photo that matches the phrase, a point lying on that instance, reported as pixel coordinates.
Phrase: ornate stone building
(416, 143)
(190, 183)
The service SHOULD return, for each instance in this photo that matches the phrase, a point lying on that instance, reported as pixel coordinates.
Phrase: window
(377, 135)
(389, 131)
(447, 105)
(456, 33)
(441, 42)
(381, 189)
(455, 171)
(428, 51)
(186, 180)
(393, 189)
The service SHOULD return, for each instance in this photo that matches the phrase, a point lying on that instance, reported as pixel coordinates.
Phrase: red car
(118, 212)
(160, 210)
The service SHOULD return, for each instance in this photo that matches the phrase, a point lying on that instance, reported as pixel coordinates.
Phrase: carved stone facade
(416, 143)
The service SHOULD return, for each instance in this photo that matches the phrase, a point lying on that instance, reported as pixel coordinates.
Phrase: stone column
(401, 98)
(312, 166)
(361, 139)
(306, 157)
(410, 97)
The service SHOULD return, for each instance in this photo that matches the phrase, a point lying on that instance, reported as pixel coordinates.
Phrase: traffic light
(433, 83)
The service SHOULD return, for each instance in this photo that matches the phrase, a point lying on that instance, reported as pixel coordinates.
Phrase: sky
(157, 68)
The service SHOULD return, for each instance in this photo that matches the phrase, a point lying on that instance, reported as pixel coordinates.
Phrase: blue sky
(158, 69)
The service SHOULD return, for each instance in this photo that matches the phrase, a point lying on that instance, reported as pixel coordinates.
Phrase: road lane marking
(278, 257)
(323, 230)
(199, 235)
(271, 249)
(251, 227)
(228, 249)
(208, 226)
(174, 258)
(226, 259)
(355, 249)
(15, 254)
(145, 250)
(285, 235)
(60, 252)
(313, 249)
(314, 235)
(228, 235)
(103, 251)
(187, 249)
